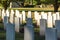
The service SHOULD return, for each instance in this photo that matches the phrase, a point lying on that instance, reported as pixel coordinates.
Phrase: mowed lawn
(20, 35)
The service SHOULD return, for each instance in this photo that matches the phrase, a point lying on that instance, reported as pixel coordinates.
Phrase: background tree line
(5, 3)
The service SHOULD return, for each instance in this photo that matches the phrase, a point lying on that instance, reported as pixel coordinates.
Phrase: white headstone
(51, 34)
(29, 14)
(35, 15)
(57, 25)
(17, 24)
(57, 16)
(12, 11)
(5, 20)
(3, 14)
(49, 20)
(16, 13)
(20, 16)
(28, 30)
(43, 25)
(10, 4)
(42, 13)
(49, 13)
(12, 16)
(38, 19)
(10, 29)
(24, 16)
(7, 13)
(10, 32)
(54, 18)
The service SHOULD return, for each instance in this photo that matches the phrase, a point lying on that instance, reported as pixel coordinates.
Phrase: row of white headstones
(50, 32)
(51, 17)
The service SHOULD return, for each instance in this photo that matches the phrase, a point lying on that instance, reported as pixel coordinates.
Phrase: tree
(5, 3)
(56, 6)
(38, 2)
(49, 1)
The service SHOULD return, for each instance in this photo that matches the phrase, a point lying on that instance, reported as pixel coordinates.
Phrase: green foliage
(34, 2)
(21, 0)
(51, 1)
(38, 1)
(47, 1)
(5, 3)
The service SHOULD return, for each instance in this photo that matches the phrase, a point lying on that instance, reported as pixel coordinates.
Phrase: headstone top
(5, 19)
(3, 11)
(17, 13)
(23, 12)
(29, 21)
(7, 13)
(20, 15)
(57, 12)
(12, 11)
(42, 12)
(57, 16)
(49, 13)
(29, 14)
(35, 12)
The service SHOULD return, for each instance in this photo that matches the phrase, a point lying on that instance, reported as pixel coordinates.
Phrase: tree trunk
(56, 6)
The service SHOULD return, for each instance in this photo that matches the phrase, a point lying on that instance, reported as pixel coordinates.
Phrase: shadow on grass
(38, 37)
(19, 36)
